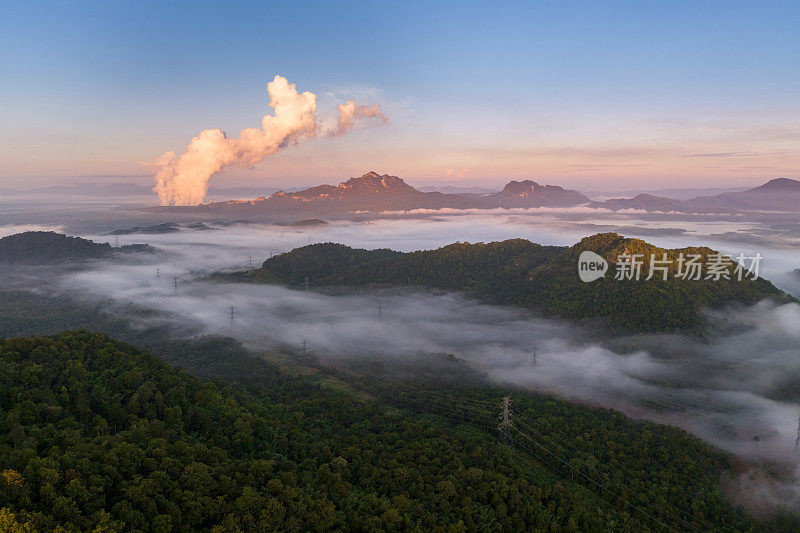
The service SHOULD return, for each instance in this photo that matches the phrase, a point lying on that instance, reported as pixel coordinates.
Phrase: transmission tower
(158, 273)
(175, 286)
(533, 355)
(797, 440)
(380, 309)
(116, 241)
(304, 349)
(306, 283)
(231, 316)
(250, 261)
(505, 420)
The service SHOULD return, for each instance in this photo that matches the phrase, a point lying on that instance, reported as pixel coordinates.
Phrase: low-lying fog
(723, 390)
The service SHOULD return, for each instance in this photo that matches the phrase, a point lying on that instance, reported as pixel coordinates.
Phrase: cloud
(349, 112)
(726, 154)
(184, 179)
(452, 173)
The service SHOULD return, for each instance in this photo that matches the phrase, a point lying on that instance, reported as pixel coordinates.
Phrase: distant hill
(156, 229)
(319, 261)
(310, 223)
(674, 194)
(530, 194)
(161, 229)
(645, 202)
(780, 194)
(376, 192)
(49, 247)
(518, 272)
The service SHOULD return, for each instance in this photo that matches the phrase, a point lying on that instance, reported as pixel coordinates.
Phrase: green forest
(49, 247)
(518, 272)
(97, 435)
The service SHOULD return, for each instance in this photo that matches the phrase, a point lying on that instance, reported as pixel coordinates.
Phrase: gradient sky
(584, 94)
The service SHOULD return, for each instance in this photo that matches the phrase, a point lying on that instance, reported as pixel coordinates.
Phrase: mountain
(673, 194)
(49, 247)
(780, 194)
(544, 278)
(376, 192)
(530, 194)
(371, 191)
(100, 436)
(778, 185)
(646, 202)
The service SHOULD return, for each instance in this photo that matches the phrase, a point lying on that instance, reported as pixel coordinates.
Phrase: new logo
(591, 266)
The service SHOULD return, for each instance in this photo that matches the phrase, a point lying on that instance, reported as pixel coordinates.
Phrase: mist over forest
(736, 387)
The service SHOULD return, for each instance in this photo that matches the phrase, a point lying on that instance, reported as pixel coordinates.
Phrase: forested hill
(49, 247)
(96, 435)
(544, 278)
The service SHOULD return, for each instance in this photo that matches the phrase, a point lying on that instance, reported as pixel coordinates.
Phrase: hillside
(544, 278)
(49, 247)
(96, 434)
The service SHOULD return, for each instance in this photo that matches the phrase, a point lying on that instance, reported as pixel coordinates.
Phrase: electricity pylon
(505, 420)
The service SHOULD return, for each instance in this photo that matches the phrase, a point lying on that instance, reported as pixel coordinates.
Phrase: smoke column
(183, 180)
(349, 111)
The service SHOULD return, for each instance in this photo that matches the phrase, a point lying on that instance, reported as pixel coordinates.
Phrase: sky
(591, 95)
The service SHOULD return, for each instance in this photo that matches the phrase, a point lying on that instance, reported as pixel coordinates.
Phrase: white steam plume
(349, 111)
(183, 180)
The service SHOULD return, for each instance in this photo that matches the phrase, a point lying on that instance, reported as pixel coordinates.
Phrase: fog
(724, 389)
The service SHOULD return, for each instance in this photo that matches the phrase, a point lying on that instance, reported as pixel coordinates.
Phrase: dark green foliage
(48, 247)
(637, 306)
(316, 261)
(105, 435)
(544, 278)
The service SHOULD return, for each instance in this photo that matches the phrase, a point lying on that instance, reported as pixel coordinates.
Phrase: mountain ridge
(521, 273)
(383, 192)
(779, 194)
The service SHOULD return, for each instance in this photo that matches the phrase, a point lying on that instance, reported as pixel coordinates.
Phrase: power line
(582, 474)
(574, 455)
(506, 427)
(505, 419)
(797, 440)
